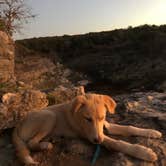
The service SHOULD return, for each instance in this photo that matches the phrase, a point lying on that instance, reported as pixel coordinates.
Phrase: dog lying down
(83, 117)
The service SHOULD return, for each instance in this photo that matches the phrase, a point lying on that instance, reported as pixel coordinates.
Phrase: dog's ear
(110, 104)
(78, 102)
(80, 90)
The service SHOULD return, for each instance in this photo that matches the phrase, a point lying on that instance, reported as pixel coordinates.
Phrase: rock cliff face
(6, 58)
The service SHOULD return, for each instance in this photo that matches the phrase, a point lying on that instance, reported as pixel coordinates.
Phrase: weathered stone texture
(15, 106)
(6, 58)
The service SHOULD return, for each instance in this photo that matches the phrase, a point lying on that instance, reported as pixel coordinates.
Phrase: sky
(59, 17)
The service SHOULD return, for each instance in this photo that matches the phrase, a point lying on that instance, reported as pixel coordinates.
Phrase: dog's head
(89, 113)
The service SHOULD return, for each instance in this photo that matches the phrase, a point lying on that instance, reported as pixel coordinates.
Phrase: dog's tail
(22, 150)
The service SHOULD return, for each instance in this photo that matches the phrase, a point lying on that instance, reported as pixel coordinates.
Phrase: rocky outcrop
(6, 58)
(62, 94)
(15, 106)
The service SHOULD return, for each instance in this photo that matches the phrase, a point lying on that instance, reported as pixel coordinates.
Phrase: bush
(2, 25)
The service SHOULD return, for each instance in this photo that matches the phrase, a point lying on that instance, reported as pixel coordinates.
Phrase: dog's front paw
(153, 134)
(30, 162)
(33, 164)
(144, 153)
(151, 155)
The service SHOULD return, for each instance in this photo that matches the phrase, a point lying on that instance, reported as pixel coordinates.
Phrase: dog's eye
(101, 118)
(88, 119)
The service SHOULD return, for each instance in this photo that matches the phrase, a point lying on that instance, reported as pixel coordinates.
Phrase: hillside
(126, 58)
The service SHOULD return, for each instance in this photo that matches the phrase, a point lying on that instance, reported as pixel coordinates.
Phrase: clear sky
(59, 17)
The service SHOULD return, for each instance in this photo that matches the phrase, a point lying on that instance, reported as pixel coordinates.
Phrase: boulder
(15, 106)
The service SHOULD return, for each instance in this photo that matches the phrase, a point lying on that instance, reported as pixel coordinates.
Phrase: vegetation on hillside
(134, 56)
(136, 37)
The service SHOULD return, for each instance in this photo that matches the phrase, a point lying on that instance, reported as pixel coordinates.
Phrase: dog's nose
(97, 140)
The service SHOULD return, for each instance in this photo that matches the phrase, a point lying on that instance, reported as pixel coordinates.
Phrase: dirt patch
(39, 72)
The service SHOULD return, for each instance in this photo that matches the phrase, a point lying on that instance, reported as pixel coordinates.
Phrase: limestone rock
(6, 58)
(15, 106)
(62, 94)
(145, 110)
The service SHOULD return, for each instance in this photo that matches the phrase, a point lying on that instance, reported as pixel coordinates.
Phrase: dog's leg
(115, 129)
(135, 150)
(35, 143)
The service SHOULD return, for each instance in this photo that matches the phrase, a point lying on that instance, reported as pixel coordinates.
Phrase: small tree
(14, 13)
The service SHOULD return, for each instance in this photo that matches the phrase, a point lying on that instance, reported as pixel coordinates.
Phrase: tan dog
(83, 117)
